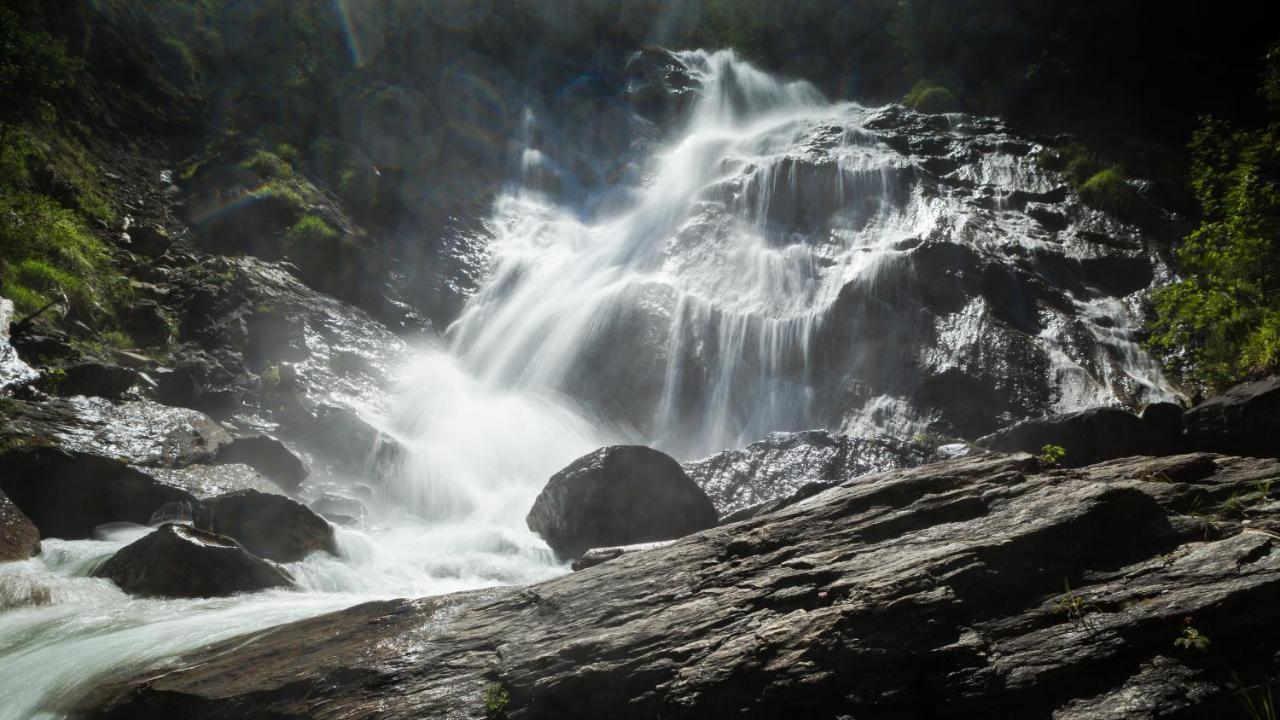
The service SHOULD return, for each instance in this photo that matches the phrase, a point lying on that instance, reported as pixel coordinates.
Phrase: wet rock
(618, 495)
(783, 463)
(19, 538)
(268, 456)
(94, 379)
(659, 86)
(332, 505)
(971, 588)
(205, 481)
(1244, 420)
(184, 562)
(39, 349)
(353, 442)
(268, 525)
(67, 493)
(596, 556)
(134, 432)
(1089, 436)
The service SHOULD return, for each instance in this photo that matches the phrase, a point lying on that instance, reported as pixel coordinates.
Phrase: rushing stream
(692, 310)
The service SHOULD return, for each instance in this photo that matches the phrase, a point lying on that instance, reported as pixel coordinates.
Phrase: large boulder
(268, 456)
(271, 526)
(783, 463)
(1089, 436)
(68, 493)
(180, 561)
(619, 495)
(1244, 420)
(975, 588)
(19, 538)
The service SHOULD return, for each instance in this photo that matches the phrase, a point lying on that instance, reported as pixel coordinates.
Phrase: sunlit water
(680, 312)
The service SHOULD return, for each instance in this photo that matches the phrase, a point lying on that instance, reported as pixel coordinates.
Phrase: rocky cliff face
(1135, 589)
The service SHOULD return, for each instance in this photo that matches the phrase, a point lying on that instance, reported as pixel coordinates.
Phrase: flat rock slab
(973, 588)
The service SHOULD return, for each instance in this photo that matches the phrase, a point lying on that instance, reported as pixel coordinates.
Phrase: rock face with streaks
(19, 538)
(619, 495)
(972, 588)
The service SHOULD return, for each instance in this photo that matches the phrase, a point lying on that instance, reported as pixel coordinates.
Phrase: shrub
(496, 699)
(1052, 454)
(930, 97)
(268, 166)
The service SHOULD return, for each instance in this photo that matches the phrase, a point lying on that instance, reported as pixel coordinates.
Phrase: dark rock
(149, 241)
(148, 324)
(1089, 436)
(619, 495)
(268, 456)
(95, 379)
(331, 505)
(931, 592)
(353, 442)
(596, 556)
(68, 493)
(804, 492)
(783, 463)
(1166, 419)
(180, 561)
(40, 349)
(271, 526)
(19, 538)
(1244, 420)
(659, 86)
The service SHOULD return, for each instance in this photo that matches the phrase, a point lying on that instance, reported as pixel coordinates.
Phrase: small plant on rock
(496, 699)
(1052, 454)
(1259, 703)
(1191, 638)
(1074, 607)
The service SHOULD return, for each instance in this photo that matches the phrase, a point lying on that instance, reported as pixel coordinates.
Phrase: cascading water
(784, 264)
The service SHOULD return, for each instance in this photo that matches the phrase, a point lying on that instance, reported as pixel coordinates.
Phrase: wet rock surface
(268, 456)
(619, 495)
(13, 370)
(783, 463)
(268, 525)
(136, 432)
(180, 561)
(1244, 420)
(969, 588)
(1088, 437)
(19, 538)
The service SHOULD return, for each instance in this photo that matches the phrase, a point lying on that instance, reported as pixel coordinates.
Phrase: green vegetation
(1259, 703)
(1052, 454)
(1109, 189)
(46, 250)
(1222, 323)
(1191, 638)
(495, 699)
(931, 98)
(34, 66)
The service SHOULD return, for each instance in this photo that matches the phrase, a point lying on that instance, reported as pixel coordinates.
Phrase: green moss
(1109, 189)
(268, 166)
(310, 230)
(931, 98)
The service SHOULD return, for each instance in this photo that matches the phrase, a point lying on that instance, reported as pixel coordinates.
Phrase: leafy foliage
(931, 98)
(34, 66)
(45, 250)
(495, 699)
(1222, 322)
(1052, 454)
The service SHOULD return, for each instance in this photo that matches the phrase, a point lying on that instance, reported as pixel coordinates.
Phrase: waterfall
(783, 262)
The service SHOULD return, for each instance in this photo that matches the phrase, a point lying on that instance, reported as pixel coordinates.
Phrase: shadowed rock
(180, 561)
(618, 495)
(1244, 420)
(1089, 436)
(974, 588)
(271, 526)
